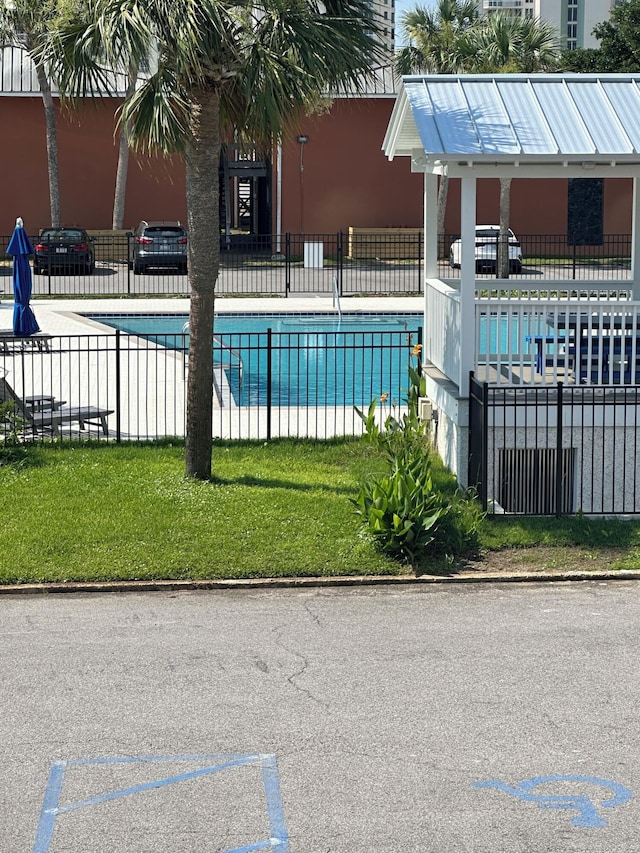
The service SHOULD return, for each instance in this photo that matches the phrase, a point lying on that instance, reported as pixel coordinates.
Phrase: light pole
(302, 141)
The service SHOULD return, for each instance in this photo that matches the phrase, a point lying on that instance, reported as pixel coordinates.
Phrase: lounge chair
(43, 412)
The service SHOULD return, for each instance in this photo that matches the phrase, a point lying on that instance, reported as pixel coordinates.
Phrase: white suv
(486, 250)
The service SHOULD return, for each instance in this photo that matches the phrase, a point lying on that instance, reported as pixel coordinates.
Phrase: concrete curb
(311, 582)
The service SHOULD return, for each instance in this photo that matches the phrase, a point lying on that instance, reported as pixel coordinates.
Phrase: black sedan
(65, 250)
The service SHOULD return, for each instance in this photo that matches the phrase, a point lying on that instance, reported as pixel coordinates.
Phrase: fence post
(420, 286)
(48, 266)
(287, 263)
(269, 364)
(129, 261)
(340, 259)
(478, 466)
(559, 466)
(118, 387)
(485, 453)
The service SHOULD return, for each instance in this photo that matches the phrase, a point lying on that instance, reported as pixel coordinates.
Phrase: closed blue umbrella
(24, 321)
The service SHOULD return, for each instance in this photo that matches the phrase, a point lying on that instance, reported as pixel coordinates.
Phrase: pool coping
(66, 316)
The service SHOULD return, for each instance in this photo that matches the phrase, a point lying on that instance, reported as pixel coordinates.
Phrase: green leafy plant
(12, 449)
(371, 428)
(407, 516)
(401, 509)
(397, 432)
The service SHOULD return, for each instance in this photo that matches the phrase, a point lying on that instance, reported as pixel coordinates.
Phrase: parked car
(66, 249)
(161, 245)
(487, 250)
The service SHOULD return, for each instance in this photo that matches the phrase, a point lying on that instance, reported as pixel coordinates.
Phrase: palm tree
(505, 43)
(29, 25)
(435, 38)
(221, 66)
(120, 191)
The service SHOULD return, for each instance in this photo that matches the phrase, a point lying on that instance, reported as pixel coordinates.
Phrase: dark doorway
(245, 200)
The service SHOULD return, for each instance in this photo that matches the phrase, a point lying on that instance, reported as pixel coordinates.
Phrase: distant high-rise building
(574, 20)
(385, 12)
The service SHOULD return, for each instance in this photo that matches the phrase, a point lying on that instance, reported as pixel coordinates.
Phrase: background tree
(619, 49)
(30, 25)
(501, 43)
(434, 37)
(581, 60)
(435, 40)
(120, 190)
(619, 37)
(222, 66)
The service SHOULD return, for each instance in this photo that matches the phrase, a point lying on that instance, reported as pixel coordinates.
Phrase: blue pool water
(305, 359)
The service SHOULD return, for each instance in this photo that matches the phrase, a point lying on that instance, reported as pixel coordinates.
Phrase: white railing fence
(582, 338)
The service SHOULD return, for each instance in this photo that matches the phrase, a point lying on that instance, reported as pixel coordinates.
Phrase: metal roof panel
(564, 118)
(625, 100)
(550, 117)
(424, 117)
(600, 118)
(527, 119)
(453, 120)
(490, 118)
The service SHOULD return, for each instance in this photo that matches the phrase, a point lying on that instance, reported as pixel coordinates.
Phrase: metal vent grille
(527, 480)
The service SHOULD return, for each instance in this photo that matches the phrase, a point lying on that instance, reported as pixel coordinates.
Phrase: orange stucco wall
(346, 179)
(87, 153)
(339, 178)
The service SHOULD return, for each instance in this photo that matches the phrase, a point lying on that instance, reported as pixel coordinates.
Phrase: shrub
(401, 509)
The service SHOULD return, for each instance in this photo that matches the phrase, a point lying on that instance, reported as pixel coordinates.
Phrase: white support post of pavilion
(430, 213)
(467, 330)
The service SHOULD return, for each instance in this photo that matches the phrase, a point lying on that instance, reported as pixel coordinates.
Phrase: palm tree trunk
(203, 218)
(443, 192)
(503, 240)
(120, 192)
(52, 146)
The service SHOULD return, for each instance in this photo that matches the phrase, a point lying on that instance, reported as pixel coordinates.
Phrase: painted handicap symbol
(588, 814)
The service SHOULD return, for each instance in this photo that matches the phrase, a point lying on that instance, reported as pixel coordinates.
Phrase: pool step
(223, 394)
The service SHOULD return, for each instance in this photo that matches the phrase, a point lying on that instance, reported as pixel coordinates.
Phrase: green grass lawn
(125, 512)
(108, 512)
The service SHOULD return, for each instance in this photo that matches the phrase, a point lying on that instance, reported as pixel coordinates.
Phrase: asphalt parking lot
(490, 717)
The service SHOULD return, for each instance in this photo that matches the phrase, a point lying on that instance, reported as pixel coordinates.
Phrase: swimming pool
(295, 359)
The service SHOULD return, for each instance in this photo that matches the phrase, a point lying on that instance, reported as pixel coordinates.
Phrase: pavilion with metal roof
(504, 126)
(513, 126)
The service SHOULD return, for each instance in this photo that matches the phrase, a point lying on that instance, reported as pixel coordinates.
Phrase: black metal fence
(555, 451)
(118, 387)
(298, 264)
(552, 257)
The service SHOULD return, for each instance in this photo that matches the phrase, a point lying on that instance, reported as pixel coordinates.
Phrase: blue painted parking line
(588, 814)
(51, 808)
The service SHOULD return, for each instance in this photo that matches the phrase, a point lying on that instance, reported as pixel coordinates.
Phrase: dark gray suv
(160, 245)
